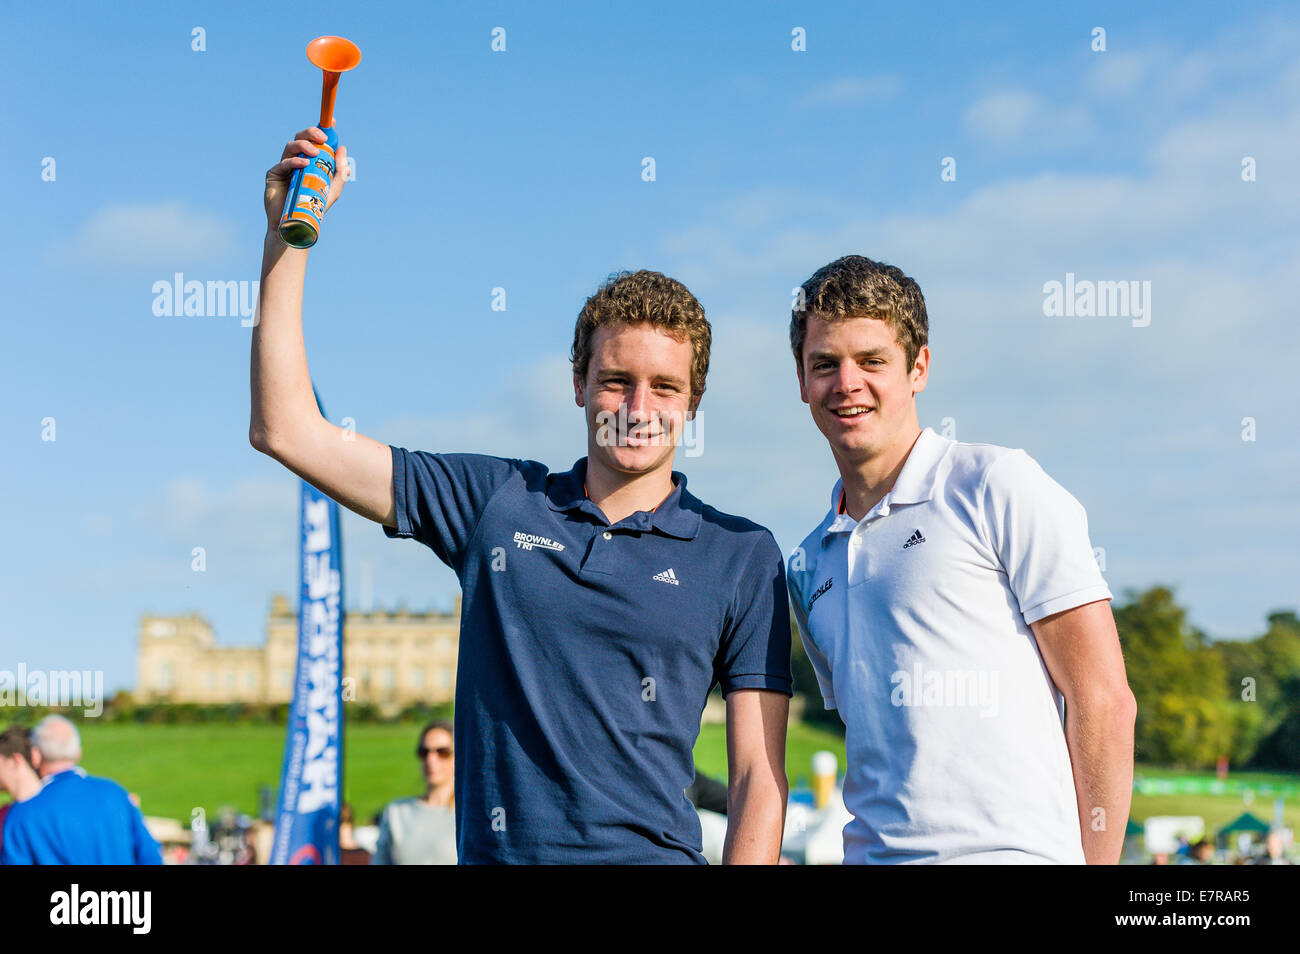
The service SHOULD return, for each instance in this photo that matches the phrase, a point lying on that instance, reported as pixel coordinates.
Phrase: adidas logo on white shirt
(914, 539)
(668, 576)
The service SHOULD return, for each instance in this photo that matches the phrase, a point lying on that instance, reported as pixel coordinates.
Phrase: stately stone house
(393, 658)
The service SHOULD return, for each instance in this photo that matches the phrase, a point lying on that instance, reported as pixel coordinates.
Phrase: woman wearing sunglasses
(421, 830)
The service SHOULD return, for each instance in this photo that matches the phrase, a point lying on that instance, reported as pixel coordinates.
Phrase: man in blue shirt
(600, 605)
(75, 819)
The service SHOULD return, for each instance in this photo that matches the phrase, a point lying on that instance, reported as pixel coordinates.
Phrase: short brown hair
(856, 287)
(628, 298)
(16, 740)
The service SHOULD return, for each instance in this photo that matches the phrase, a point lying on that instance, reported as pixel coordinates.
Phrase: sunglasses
(443, 752)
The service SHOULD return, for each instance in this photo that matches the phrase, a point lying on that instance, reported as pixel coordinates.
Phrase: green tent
(1245, 822)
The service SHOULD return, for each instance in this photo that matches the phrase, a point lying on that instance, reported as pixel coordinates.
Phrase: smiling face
(855, 378)
(637, 395)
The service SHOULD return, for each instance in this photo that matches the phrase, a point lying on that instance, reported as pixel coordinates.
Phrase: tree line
(1199, 699)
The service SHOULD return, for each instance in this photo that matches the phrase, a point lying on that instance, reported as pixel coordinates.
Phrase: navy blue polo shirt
(587, 651)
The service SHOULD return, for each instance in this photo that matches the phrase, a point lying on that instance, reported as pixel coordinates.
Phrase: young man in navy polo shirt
(600, 605)
(950, 604)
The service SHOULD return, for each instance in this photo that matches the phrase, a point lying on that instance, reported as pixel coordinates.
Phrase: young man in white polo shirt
(951, 607)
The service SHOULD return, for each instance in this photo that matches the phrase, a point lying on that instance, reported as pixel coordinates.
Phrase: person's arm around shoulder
(285, 423)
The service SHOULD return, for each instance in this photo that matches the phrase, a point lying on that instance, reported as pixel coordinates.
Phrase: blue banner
(307, 816)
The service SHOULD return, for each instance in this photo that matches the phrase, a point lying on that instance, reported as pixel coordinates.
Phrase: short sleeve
(755, 648)
(439, 498)
(1040, 535)
(821, 668)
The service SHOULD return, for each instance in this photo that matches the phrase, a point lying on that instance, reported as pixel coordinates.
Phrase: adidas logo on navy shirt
(914, 539)
(667, 576)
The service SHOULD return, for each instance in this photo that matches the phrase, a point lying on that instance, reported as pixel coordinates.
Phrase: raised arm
(284, 422)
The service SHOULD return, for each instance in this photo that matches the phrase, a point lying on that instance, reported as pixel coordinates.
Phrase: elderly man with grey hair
(75, 819)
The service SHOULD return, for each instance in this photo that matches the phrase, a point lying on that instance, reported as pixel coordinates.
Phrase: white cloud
(162, 235)
(1004, 116)
(1118, 73)
(853, 91)
(249, 517)
(1012, 117)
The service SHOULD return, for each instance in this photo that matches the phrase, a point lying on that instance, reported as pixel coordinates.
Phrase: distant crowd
(60, 815)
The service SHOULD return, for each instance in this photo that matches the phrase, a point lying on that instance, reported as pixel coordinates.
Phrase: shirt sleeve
(439, 498)
(755, 647)
(1040, 534)
(821, 668)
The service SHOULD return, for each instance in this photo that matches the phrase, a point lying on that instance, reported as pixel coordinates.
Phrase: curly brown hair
(857, 287)
(628, 298)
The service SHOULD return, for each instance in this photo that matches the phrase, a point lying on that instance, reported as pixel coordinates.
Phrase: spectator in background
(350, 853)
(75, 818)
(17, 777)
(1273, 853)
(1201, 853)
(422, 830)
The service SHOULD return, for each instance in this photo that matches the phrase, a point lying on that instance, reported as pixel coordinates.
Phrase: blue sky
(522, 169)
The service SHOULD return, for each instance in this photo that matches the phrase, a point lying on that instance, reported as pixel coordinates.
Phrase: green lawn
(175, 768)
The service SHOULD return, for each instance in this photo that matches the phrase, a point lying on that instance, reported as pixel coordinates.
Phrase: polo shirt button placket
(857, 554)
(860, 570)
(607, 535)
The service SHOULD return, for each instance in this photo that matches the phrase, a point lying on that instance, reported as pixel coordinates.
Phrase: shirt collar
(917, 480)
(915, 484)
(678, 516)
(63, 773)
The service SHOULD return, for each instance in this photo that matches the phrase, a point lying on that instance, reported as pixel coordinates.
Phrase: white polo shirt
(916, 620)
